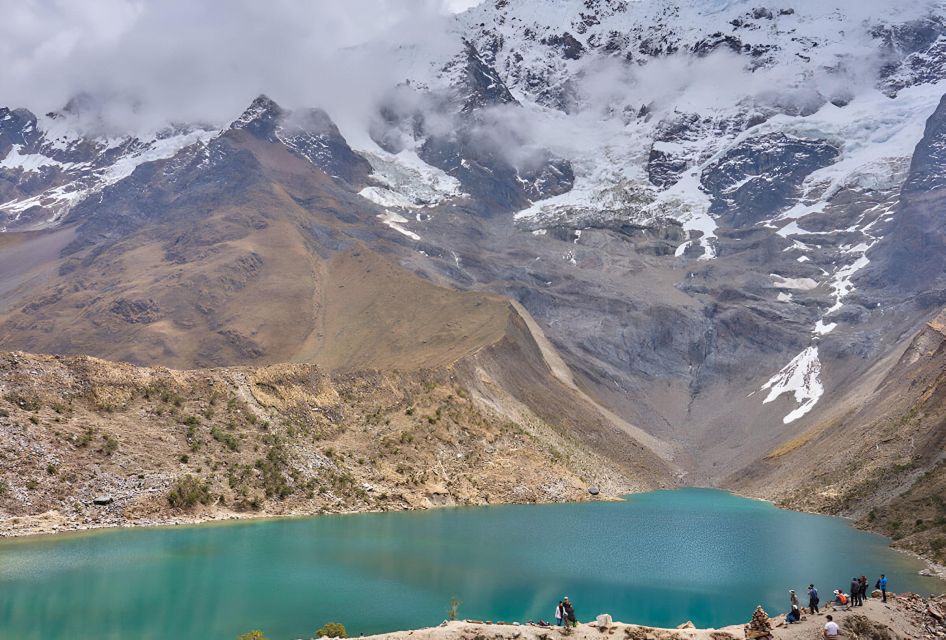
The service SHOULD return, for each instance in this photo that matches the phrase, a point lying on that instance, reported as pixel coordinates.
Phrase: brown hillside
(883, 461)
(258, 269)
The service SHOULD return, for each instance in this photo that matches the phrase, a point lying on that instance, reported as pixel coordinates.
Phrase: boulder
(936, 612)
(686, 625)
(101, 501)
(594, 490)
(604, 621)
(876, 593)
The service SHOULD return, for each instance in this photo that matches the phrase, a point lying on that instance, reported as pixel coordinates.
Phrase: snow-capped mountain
(714, 207)
(49, 164)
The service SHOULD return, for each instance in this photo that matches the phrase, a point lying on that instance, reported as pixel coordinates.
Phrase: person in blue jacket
(882, 585)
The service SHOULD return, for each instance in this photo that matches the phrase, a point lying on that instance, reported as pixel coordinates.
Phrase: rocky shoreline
(905, 616)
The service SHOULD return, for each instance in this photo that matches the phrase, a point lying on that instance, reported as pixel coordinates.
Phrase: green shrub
(188, 491)
(226, 439)
(271, 472)
(86, 437)
(255, 634)
(109, 445)
(454, 606)
(332, 630)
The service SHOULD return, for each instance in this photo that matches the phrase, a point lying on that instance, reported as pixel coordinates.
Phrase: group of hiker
(565, 613)
(842, 600)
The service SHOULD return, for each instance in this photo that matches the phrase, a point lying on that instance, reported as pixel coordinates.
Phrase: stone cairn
(759, 626)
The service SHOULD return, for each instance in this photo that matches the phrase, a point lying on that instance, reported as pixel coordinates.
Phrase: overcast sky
(188, 58)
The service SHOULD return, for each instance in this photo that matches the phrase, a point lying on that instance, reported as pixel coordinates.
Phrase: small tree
(332, 630)
(452, 611)
(256, 634)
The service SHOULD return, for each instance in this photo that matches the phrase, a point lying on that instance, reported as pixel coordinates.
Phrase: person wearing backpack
(813, 599)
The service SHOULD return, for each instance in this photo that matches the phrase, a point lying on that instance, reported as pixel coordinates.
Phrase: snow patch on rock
(802, 378)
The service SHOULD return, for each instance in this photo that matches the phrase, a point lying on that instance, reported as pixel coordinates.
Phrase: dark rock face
(570, 47)
(17, 127)
(136, 311)
(489, 176)
(664, 167)
(916, 53)
(914, 254)
(478, 147)
(760, 177)
(309, 133)
(478, 85)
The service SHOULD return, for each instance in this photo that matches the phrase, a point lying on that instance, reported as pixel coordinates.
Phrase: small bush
(191, 421)
(226, 439)
(51, 469)
(454, 606)
(187, 492)
(4, 488)
(271, 472)
(109, 445)
(86, 437)
(861, 627)
(332, 630)
(255, 634)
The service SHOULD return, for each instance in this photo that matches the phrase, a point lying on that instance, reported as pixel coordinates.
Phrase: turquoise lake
(659, 559)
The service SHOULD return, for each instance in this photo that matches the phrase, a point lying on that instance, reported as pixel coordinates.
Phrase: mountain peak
(260, 117)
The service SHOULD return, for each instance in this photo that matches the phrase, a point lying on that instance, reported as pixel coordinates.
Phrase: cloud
(183, 60)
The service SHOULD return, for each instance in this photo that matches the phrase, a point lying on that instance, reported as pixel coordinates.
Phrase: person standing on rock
(882, 585)
(560, 614)
(794, 598)
(856, 592)
(569, 611)
(863, 589)
(813, 599)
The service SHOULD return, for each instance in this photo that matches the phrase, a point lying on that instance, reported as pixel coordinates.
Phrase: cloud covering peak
(179, 60)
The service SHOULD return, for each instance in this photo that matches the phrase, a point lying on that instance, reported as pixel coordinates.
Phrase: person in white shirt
(831, 629)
